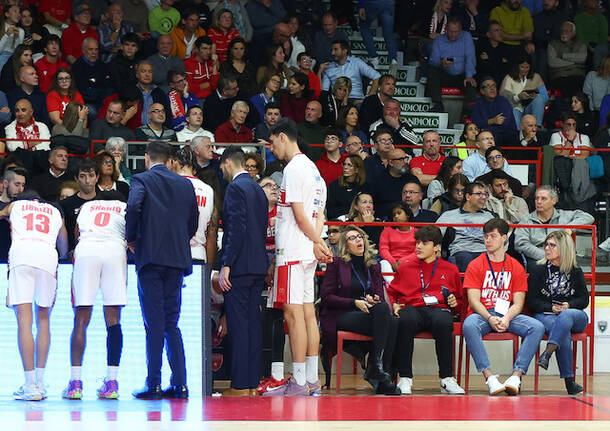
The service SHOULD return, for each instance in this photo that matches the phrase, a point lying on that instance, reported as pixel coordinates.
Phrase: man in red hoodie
(330, 164)
(202, 68)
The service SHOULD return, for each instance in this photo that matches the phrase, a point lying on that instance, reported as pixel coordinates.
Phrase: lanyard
(366, 287)
(421, 275)
(493, 274)
(555, 291)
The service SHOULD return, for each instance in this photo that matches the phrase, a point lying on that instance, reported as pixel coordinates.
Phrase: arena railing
(591, 276)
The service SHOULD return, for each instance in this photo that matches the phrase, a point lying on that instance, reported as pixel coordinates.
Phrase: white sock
(75, 373)
(277, 370)
(311, 367)
(40, 376)
(112, 373)
(30, 378)
(298, 372)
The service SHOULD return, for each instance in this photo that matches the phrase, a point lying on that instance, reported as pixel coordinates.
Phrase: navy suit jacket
(244, 222)
(161, 218)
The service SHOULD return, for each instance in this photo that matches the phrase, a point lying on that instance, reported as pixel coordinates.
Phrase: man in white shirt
(24, 127)
(194, 120)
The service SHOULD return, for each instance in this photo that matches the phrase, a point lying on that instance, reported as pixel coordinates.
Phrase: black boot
(572, 387)
(374, 370)
(388, 388)
(543, 360)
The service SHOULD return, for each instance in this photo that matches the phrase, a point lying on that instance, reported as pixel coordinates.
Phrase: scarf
(434, 23)
(27, 132)
(175, 104)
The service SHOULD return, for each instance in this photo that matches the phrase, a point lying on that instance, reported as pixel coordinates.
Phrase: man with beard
(388, 188)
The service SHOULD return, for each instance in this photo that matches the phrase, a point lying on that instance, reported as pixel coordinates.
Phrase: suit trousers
(244, 324)
(160, 292)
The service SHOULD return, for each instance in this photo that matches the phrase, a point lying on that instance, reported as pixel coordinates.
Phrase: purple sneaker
(314, 389)
(74, 391)
(109, 390)
(290, 389)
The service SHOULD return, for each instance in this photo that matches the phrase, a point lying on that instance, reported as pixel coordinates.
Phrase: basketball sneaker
(512, 385)
(109, 390)
(28, 393)
(74, 391)
(270, 384)
(314, 389)
(290, 389)
(449, 386)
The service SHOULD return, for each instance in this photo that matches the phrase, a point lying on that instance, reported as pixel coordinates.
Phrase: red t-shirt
(330, 170)
(199, 73)
(58, 9)
(46, 71)
(222, 40)
(72, 40)
(57, 102)
(428, 167)
(510, 276)
(314, 84)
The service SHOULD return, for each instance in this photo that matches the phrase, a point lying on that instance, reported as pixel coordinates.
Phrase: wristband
(490, 316)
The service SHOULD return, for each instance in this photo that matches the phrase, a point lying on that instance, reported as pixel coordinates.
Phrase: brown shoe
(231, 392)
(254, 392)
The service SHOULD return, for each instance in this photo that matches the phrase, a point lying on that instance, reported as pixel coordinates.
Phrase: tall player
(100, 262)
(300, 219)
(37, 228)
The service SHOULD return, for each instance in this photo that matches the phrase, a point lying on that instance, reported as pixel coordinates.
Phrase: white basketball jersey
(102, 221)
(205, 205)
(34, 229)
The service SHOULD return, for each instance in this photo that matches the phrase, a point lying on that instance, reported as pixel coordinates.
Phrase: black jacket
(539, 298)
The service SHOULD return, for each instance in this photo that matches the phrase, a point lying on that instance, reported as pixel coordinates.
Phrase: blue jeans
(559, 328)
(535, 108)
(462, 258)
(383, 11)
(528, 328)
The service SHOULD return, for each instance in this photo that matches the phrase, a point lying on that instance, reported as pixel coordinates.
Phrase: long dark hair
(303, 80)
(582, 98)
(342, 115)
(444, 173)
(55, 83)
(232, 44)
(514, 70)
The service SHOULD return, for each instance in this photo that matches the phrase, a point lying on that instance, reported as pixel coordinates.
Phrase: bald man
(155, 130)
(92, 76)
(28, 89)
(163, 61)
(312, 131)
(24, 121)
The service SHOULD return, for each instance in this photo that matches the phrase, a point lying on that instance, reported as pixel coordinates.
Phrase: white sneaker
(28, 393)
(512, 385)
(423, 80)
(450, 386)
(393, 68)
(495, 387)
(405, 384)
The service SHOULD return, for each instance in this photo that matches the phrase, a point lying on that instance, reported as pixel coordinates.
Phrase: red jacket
(227, 133)
(330, 170)
(292, 107)
(46, 70)
(72, 40)
(199, 73)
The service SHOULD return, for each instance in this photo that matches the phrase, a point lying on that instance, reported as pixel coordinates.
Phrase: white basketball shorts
(294, 282)
(27, 284)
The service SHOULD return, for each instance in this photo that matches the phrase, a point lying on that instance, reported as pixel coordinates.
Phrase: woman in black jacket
(557, 295)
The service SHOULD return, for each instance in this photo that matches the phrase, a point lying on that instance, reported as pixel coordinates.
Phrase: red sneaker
(270, 384)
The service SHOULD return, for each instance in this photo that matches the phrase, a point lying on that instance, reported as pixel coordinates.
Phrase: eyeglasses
(385, 141)
(107, 163)
(269, 185)
(496, 157)
(331, 139)
(481, 194)
(157, 111)
(550, 245)
(250, 167)
(410, 192)
(353, 238)
(64, 79)
(485, 87)
(276, 81)
(400, 159)
(306, 59)
(570, 124)
(117, 149)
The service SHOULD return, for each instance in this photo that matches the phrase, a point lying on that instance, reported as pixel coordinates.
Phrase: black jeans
(437, 78)
(414, 320)
(377, 323)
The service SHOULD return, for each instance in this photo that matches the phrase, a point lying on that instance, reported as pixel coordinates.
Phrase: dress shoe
(231, 392)
(176, 391)
(254, 392)
(543, 360)
(149, 393)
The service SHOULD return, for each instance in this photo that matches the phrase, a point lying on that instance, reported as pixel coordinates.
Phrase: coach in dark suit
(243, 269)
(161, 219)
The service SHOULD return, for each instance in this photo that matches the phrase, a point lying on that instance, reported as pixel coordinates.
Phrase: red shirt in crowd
(270, 242)
(58, 9)
(227, 133)
(198, 73)
(46, 71)
(222, 40)
(292, 107)
(427, 166)
(314, 84)
(330, 170)
(72, 40)
(57, 102)
(396, 244)
(406, 287)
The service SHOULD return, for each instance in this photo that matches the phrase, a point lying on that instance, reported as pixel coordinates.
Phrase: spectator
(586, 120)
(272, 115)
(163, 61)
(217, 106)
(234, 129)
(348, 124)
(401, 130)
(352, 67)
(150, 92)
(136, 13)
(494, 112)
(155, 129)
(274, 65)
(263, 15)
(453, 62)
(412, 195)
(311, 130)
(240, 17)
(376, 165)
(473, 20)
(597, 84)
(25, 128)
(92, 76)
(529, 137)
(466, 243)
(28, 89)
(184, 36)
(347, 309)
(454, 196)
(109, 175)
(56, 14)
(343, 190)
(268, 95)
(568, 138)
(9, 77)
(47, 183)
(497, 284)
(525, 90)
(194, 120)
(163, 18)
(566, 58)
(208, 166)
(426, 166)
(202, 68)
(5, 114)
(294, 101)
(557, 296)
(436, 24)
(330, 164)
(73, 37)
(223, 30)
(304, 65)
(502, 201)
(383, 12)
(496, 160)
(11, 34)
(362, 210)
(396, 243)
(240, 66)
(67, 189)
(62, 91)
(468, 139)
(530, 241)
(300, 40)
(491, 52)
(180, 100)
(476, 164)
(110, 125)
(371, 109)
(450, 166)
(592, 30)
(118, 148)
(353, 147)
(335, 100)
(324, 38)
(546, 28)
(50, 63)
(112, 31)
(35, 33)
(517, 26)
(123, 65)
(254, 165)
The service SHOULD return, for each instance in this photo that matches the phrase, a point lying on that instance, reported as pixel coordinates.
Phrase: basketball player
(100, 262)
(203, 243)
(37, 228)
(300, 219)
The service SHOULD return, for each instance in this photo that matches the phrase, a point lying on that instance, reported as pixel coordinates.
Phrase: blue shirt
(147, 100)
(462, 52)
(484, 110)
(354, 68)
(475, 165)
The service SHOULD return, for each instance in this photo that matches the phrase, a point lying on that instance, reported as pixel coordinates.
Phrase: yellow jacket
(177, 36)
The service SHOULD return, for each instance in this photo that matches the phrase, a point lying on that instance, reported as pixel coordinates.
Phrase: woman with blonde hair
(333, 101)
(353, 300)
(362, 210)
(557, 295)
(597, 84)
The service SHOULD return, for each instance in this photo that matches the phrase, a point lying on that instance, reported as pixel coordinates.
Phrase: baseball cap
(82, 8)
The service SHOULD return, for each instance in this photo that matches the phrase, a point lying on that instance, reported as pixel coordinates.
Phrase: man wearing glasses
(375, 165)
(388, 188)
(494, 112)
(353, 146)
(155, 130)
(330, 164)
(181, 100)
(495, 161)
(476, 165)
